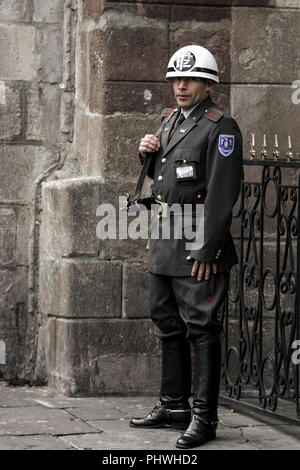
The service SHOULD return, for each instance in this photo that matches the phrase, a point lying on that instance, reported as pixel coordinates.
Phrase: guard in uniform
(197, 160)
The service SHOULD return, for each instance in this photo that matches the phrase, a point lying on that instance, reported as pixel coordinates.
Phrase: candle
(264, 141)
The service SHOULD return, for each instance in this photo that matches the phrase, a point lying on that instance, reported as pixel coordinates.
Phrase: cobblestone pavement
(40, 418)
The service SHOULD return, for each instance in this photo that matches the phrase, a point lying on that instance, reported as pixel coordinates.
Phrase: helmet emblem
(185, 61)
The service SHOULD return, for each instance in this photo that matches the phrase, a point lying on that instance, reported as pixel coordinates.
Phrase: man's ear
(210, 84)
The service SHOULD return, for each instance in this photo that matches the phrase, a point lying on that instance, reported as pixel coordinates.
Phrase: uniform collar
(200, 108)
(189, 111)
(187, 125)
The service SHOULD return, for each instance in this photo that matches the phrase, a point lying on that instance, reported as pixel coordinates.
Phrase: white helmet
(193, 61)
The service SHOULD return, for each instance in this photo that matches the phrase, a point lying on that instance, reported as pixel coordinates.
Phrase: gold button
(199, 196)
(163, 160)
(159, 216)
(160, 178)
(159, 197)
(184, 161)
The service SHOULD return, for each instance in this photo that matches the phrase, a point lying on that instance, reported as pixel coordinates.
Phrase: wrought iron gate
(261, 313)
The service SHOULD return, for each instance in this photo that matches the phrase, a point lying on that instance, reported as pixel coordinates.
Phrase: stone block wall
(122, 52)
(265, 63)
(30, 73)
(97, 331)
(81, 81)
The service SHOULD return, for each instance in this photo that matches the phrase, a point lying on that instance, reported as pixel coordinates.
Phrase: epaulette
(166, 112)
(213, 114)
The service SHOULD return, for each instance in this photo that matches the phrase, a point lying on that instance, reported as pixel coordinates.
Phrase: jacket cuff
(209, 254)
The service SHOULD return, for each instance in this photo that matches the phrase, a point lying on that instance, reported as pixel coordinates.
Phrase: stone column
(94, 292)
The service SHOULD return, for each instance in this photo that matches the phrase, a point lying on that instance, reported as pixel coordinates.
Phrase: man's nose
(182, 83)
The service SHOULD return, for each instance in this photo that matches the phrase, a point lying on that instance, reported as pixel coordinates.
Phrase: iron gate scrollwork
(261, 313)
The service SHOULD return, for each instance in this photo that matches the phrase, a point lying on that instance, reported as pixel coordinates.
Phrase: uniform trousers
(185, 306)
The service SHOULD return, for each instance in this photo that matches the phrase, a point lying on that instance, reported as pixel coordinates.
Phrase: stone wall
(121, 57)
(265, 63)
(30, 99)
(80, 83)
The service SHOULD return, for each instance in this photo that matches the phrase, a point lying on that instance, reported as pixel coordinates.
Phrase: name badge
(185, 172)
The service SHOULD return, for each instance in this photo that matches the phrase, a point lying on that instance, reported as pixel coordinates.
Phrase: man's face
(189, 91)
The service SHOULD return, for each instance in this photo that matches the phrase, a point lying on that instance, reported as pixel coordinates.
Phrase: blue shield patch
(226, 144)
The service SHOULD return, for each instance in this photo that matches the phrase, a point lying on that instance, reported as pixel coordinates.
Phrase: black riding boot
(173, 408)
(204, 421)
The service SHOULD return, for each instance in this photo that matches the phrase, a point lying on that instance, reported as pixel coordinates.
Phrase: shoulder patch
(226, 144)
(166, 112)
(213, 114)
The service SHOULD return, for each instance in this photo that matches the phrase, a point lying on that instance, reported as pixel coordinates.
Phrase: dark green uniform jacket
(210, 142)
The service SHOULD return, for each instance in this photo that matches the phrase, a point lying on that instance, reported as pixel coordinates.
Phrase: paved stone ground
(39, 418)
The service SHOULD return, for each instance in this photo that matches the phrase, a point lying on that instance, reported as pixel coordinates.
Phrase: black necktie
(176, 125)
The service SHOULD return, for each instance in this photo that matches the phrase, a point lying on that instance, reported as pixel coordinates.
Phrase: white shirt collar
(189, 111)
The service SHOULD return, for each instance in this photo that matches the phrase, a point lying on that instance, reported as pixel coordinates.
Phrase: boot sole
(162, 426)
(196, 444)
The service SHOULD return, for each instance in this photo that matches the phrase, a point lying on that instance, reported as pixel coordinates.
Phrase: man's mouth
(182, 96)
